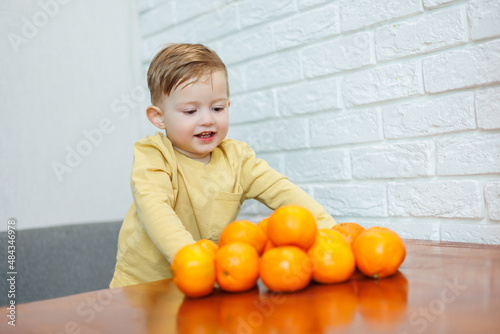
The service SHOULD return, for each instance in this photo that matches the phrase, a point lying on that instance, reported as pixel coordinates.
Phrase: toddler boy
(189, 182)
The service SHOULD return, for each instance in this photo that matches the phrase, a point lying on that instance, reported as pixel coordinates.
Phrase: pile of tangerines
(286, 251)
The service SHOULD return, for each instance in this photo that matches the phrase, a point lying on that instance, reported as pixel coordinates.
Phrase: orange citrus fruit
(194, 271)
(208, 245)
(379, 252)
(292, 225)
(269, 245)
(285, 268)
(350, 230)
(244, 231)
(263, 225)
(332, 256)
(237, 267)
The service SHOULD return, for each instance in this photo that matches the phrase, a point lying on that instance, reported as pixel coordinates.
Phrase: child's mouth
(208, 135)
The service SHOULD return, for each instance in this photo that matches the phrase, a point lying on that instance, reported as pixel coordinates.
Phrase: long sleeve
(153, 195)
(268, 186)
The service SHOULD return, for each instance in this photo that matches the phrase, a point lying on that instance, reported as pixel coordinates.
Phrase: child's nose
(207, 118)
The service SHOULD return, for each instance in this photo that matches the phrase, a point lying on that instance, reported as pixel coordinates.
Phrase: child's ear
(228, 103)
(155, 116)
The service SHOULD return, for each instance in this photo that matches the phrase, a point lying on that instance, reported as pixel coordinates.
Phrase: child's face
(196, 116)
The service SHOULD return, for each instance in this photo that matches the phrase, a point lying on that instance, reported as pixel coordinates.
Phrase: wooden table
(442, 287)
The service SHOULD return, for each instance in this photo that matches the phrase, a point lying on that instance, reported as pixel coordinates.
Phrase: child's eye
(218, 109)
(189, 112)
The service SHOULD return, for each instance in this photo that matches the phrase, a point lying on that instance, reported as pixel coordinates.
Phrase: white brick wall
(345, 128)
(442, 114)
(484, 17)
(306, 27)
(387, 112)
(475, 65)
(383, 83)
(358, 14)
(427, 33)
(404, 160)
(488, 108)
(435, 3)
(344, 53)
(492, 194)
(357, 200)
(318, 165)
(447, 199)
(458, 155)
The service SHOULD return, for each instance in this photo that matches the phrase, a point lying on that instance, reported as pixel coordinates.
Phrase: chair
(60, 261)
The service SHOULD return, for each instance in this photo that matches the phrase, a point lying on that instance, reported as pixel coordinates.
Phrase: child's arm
(154, 200)
(266, 185)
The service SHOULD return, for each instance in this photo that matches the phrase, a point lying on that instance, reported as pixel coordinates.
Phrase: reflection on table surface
(440, 288)
(316, 309)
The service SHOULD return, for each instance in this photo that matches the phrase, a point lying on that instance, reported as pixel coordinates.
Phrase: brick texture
(390, 161)
(492, 196)
(362, 13)
(327, 165)
(437, 31)
(382, 83)
(345, 128)
(252, 107)
(272, 70)
(273, 135)
(241, 46)
(438, 115)
(447, 199)
(309, 97)
(258, 11)
(353, 200)
(307, 27)
(468, 156)
(342, 54)
(484, 17)
(386, 112)
(463, 68)
(488, 108)
(436, 3)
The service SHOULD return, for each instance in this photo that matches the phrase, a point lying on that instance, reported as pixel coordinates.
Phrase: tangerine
(263, 225)
(332, 256)
(269, 245)
(194, 270)
(244, 231)
(286, 269)
(292, 225)
(350, 230)
(237, 267)
(208, 245)
(379, 252)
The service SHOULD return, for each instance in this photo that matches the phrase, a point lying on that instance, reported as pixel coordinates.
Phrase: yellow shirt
(178, 201)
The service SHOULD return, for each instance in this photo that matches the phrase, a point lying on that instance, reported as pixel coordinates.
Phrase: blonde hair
(177, 63)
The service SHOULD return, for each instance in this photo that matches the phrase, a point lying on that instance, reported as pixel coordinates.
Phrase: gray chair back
(60, 261)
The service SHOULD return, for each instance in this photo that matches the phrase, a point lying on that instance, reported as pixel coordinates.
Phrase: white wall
(387, 112)
(67, 69)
